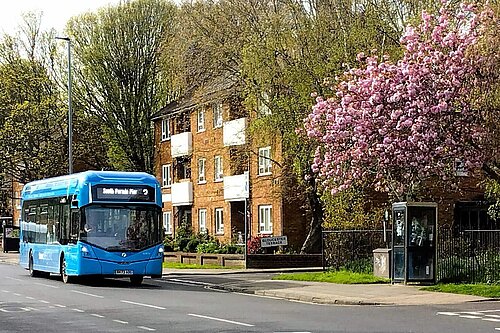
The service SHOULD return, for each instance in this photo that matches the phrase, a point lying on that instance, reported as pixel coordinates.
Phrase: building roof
(217, 89)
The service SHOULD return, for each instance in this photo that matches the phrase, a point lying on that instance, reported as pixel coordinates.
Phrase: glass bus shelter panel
(420, 265)
(399, 226)
(399, 263)
(422, 228)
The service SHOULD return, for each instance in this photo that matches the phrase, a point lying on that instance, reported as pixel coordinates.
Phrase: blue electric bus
(103, 223)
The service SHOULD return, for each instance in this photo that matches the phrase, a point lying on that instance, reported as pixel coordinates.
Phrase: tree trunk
(312, 244)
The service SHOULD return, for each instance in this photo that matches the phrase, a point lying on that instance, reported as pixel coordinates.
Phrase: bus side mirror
(74, 203)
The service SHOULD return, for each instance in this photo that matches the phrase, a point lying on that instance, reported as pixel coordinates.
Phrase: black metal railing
(352, 249)
(471, 256)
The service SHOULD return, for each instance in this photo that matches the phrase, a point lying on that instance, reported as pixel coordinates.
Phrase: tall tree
(118, 77)
(32, 129)
(395, 125)
(281, 51)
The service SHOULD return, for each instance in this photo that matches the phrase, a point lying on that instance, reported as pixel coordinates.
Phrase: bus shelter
(414, 228)
(10, 235)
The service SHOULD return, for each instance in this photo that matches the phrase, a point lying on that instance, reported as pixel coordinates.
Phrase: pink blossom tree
(395, 125)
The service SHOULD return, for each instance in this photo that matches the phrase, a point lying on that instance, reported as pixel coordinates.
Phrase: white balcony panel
(181, 144)
(166, 197)
(182, 194)
(236, 187)
(234, 132)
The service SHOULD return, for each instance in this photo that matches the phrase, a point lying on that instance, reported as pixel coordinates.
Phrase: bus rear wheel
(65, 277)
(136, 280)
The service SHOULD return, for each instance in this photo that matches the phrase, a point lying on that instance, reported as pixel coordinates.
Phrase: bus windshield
(121, 228)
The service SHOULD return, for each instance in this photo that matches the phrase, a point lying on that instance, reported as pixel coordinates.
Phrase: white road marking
(448, 313)
(42, 301)
(46, 285)
(11, 278)
(469, 317)
(17, 294)
(146, 328)
(220, 319)
(494, 316)
(86, 294)
(120, 321)
(146, 305)
(5, 291)
(78, 310)
(497, 328)
(29, 297)
(96, 315)
(492, 319)
(293, 332)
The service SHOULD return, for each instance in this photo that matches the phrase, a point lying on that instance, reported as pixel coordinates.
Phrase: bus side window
(57, 221)
(65, 224)
(75, 225)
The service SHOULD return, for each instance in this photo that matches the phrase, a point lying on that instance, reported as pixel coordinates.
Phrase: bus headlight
(161, 250)
(85, 251)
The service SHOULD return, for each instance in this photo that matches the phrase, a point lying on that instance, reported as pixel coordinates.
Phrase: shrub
(253, 245)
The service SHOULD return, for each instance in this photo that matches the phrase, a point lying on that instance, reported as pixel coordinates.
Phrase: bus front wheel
(33, 272)
(136, 280)
(65, 277)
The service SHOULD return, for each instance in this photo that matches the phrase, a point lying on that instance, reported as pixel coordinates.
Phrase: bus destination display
(123, 193)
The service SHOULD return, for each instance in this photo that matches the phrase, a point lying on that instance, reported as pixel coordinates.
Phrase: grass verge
(340, 277)
(480, 289)
(177, 265)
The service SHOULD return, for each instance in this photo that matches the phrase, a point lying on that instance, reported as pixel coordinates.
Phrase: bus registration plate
(124, 272)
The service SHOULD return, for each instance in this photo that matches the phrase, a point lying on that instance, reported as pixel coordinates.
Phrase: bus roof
(77, 183)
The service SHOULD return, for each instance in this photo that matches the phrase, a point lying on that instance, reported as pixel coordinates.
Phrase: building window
(219, 222)
(218, 168)
(265, 219)
(165, 129)
(263, 104)
(201, 120)
(202, 220)
(166, 175)
(217, 115)
(265, 161)
(460, 169)
(167, 222)
(201, 171)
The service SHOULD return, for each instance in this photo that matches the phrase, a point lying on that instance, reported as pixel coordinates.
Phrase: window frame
(219, 221)
(166, 176)
(167, 226)
(218, 168)
(202, 171)
(218, 119)
(166, 132)
(265, 211)
(202, 222)
(200, 120)
(264, 162)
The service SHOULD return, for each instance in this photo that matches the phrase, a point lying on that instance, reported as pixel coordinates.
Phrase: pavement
(259, 282)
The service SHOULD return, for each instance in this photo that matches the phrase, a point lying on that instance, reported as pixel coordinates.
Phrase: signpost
(273, 241)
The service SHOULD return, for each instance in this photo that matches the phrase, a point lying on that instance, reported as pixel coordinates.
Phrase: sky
(55, 13)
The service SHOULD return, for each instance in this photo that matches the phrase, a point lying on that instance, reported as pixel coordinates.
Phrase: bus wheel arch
(62, 268)
(136, 280)
(33, 272)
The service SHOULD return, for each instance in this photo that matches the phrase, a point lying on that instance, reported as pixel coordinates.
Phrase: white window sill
(167, 139)
(218, 180)
(266, 232)
(203, 182)
(166, 186)
(201, 130)
(265, 174)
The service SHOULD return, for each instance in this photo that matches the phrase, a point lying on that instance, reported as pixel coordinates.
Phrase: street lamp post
(70, 112)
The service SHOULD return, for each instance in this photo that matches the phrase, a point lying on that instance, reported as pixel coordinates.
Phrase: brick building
(215, 175)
